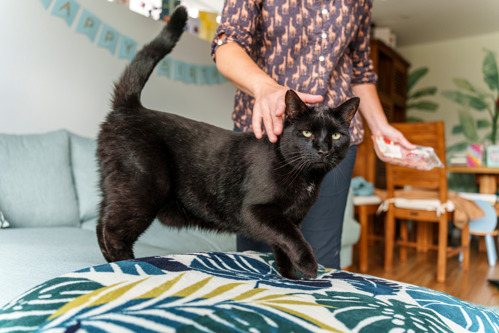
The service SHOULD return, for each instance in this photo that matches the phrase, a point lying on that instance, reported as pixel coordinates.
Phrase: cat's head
(316, 137)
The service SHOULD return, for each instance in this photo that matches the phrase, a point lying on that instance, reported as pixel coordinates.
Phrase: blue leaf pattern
(245, 268)
(369, 284)
(472, 317)
(234, 292)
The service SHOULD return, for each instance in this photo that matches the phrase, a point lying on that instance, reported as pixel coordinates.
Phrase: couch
(49, 196)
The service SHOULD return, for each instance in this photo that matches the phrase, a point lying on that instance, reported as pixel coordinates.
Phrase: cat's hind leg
(128, 208)
(119, 228)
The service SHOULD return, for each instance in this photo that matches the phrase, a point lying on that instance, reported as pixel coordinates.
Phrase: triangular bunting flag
(66, 9)
(165, 67)
(108, 38)
(127, 48)
(88, 24)
(46, 3)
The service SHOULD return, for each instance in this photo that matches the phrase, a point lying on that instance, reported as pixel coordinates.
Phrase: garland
(109, 38)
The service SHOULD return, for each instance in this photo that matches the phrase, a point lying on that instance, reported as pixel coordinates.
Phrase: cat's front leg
(269, 225)
(284, 264)
(295, 253)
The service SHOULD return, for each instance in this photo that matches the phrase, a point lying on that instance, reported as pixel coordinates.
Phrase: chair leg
(405, 238)
(364, 241)
(442, 249)
(430, 227)
(465, 245)
(420, 236)
(424, 236)
(389, 238)
(491, 250)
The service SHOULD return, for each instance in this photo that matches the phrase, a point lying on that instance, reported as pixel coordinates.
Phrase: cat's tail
(129, 87)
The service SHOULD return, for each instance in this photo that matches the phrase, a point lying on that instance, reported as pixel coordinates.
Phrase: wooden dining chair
(400, 178)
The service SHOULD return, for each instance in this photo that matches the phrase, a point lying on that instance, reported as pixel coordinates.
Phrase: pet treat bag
(421, 158)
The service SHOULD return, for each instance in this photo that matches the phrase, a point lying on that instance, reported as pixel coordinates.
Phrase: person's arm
(370, 107)
(364, 84)
(238, 67)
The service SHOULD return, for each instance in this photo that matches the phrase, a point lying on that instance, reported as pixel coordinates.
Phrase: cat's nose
(322, 154)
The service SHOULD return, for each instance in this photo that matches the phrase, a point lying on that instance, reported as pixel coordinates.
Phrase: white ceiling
(419, 21)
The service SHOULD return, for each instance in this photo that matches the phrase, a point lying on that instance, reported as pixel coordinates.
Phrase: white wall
(447, 60)
(52, 77)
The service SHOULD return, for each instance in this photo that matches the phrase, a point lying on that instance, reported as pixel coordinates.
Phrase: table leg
(487, 183)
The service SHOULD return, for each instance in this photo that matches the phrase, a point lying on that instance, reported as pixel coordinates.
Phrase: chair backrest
(430, 134)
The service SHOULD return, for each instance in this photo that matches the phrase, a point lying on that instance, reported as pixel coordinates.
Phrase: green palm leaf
(456, 148)
(464, 84)
(423, 105)
(468, 125)
(411, 119)
(415, 76)
(423, 92)
(490, 72)
(466, 100)
(483, 123)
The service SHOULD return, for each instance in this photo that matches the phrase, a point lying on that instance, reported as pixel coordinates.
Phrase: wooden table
(486, 176)
(487, 179)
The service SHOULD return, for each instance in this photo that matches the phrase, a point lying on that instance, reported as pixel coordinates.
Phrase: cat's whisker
(292, 176)
(288, 162)
(289, 175)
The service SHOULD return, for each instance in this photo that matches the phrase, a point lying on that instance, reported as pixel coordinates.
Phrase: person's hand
(391, 133)
(270, 107)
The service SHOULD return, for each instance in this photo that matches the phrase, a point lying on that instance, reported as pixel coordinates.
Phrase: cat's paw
(112, 254)
(289, 273)
(307, 266)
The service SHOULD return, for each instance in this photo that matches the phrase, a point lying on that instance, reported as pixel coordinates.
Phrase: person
(320, 49)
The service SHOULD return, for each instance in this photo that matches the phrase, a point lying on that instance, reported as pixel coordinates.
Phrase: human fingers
(277, 117)
(310, 98)
(395, 135)
(257, 121)
(268, 124)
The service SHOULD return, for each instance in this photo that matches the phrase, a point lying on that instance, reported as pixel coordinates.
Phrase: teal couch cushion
(86, 175)
(36, 184)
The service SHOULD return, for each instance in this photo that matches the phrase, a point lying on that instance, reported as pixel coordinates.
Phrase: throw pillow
(86, 175)
(36, 185)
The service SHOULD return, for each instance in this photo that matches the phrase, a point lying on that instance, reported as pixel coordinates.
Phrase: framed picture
(493, 156)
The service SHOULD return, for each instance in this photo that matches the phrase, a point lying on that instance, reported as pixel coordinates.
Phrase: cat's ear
(294, 106)
(348, 109)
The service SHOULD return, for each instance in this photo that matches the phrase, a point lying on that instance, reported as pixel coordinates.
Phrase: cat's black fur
(191, 174)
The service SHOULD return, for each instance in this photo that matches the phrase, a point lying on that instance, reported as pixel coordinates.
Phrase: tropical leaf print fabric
(233, 292)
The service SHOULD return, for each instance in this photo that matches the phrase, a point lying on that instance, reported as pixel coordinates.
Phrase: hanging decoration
(88, 24)
(109, 38)
(207, 25)
(66, 9)
(201, 23)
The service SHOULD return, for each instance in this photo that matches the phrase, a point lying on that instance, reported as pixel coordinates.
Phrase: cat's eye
(336, 136)
(306, 134)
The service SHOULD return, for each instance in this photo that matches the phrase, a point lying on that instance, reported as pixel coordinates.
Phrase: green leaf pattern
(163, 294)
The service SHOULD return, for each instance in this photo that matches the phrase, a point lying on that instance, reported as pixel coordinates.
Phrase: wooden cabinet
(392, 72)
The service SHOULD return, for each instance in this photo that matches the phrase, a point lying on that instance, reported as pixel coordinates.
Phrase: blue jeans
(323, 225)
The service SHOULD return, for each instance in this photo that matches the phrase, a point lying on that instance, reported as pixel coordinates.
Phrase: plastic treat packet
(421, 158)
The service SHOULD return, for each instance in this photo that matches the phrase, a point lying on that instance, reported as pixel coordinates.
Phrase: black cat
(187, 173)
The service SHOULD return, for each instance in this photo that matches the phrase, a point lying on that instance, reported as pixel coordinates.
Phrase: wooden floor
(420, 269)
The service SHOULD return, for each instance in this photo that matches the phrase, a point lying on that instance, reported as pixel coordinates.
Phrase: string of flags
(125, 47)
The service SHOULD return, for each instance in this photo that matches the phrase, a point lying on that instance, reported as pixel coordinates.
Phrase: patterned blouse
(312, 46)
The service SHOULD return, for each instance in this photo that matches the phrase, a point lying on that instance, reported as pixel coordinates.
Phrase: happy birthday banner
(109, 38)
